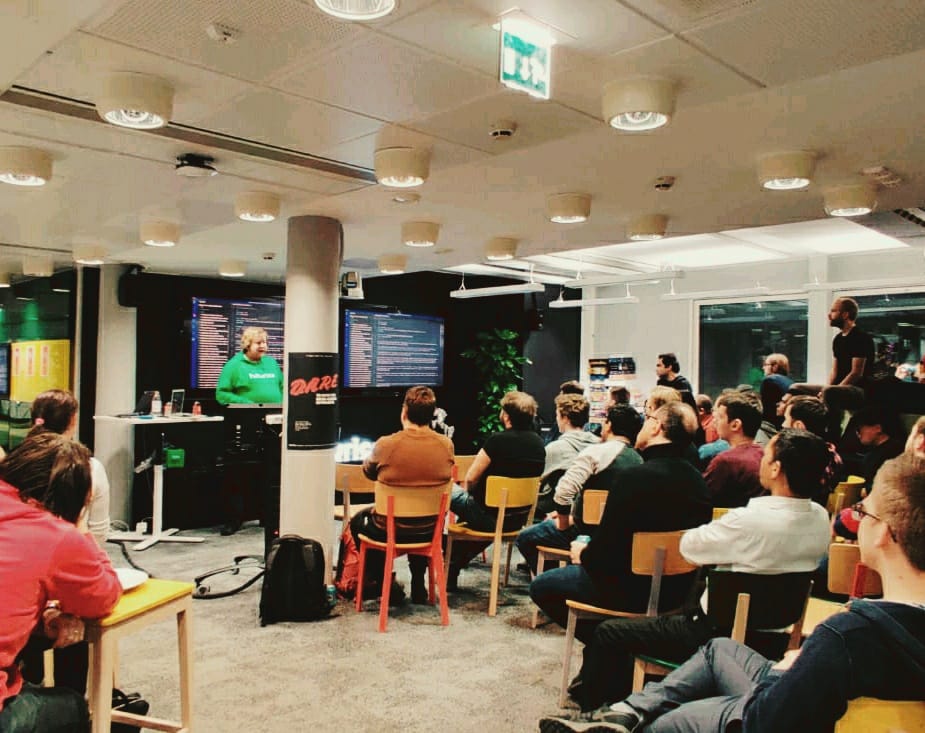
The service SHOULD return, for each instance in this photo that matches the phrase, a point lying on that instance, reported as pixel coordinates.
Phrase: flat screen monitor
(216, 328)
(383, 349)
(4, 370)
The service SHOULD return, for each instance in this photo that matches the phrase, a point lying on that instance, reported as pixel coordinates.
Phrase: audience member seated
(774, 386)
(665, 493)
(810, 413)
(571, 417)
(879, 436)
(705, 413)
(414, 456)
(781, 533)
(660, 396)
(732, 476)
(668, 369)
(516, 452)
(618, 396)
(52, 574)
(574, 387)
(597, 467)
(875, 649)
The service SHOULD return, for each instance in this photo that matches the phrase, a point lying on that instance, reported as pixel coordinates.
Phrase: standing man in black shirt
(668, 370)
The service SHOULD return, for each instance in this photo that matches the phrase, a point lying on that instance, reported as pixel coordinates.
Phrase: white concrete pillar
(314, 255)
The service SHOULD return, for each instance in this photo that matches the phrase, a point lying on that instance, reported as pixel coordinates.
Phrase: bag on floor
(130, 702)
(348, 565)
(293, 586)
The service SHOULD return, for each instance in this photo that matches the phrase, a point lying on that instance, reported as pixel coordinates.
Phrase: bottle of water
(156, 406)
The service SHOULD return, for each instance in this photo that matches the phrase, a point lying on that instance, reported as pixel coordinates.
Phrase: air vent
(916, 216)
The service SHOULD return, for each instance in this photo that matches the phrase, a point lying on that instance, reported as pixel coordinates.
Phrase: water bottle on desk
(156, 405)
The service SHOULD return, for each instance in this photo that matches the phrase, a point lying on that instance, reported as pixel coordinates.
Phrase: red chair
(405, 502)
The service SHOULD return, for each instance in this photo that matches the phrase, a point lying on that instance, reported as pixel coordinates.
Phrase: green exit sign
(526, 55)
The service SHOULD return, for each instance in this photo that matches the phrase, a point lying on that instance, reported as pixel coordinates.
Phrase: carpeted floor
(491, 675)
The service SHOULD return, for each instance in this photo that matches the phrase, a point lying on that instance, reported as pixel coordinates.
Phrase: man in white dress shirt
(782, 533)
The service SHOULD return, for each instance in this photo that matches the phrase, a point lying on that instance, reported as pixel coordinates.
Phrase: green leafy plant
(498, 362)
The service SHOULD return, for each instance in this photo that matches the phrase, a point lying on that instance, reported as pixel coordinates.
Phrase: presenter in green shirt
(250, 376)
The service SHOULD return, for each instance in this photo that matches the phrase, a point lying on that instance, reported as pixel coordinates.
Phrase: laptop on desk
(142, 407)
(177, 398)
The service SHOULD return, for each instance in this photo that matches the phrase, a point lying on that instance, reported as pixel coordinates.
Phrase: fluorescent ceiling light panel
(696, 251)
(822, 236)
(497, 290)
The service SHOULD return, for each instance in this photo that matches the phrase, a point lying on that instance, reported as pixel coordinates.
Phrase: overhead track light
(402, 167)
(568, 208)
(420, 233)
(636, 105)
(562, 303)
(232, 268)
(392, 264)
(356, 9)
(259, 206)
(648, 228)
(786, 171)
(643, 278)
(22, 166)
(704, 294)
(500, 249)
(851, 200)
(38, 265)
(89, 254)
(530, 287)
(160, 233)
(134, 100)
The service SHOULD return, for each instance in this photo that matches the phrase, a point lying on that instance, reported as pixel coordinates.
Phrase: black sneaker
(598, 721)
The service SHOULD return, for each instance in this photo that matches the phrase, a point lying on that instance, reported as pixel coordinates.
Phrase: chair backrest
(844, 576)
(869, 715)
(645, 545)
(775, 601)
(592, 505)
(350, 477)
(461, 467)
(410, 501)
(521, 492)
(719, 511)
(849, 490)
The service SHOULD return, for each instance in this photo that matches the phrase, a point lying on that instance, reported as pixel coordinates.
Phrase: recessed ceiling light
(636, 105)
(392, 264)
(133, 100)
(356, 9)
(648, 228)
(89, 254)
(21, 166)
(259, 206)
(420, 233)
(786, 171)
(232, 268)
(568, 208)
(500, 249)
(160, 233)
(852, 200)
(402, 167)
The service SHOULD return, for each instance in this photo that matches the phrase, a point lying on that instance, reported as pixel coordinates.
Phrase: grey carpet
(490, 675)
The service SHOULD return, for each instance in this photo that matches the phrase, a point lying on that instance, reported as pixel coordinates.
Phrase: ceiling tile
(786, 40)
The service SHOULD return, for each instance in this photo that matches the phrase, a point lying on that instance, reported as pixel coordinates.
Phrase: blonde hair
(251, 334)
(660, 396)
(780, 361)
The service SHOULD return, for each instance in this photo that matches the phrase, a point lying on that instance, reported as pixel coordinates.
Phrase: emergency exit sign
(526, 55)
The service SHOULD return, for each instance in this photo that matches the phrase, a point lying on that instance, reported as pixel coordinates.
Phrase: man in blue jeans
(873, 650)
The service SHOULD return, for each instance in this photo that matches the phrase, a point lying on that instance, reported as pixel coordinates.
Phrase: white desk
(158, 533)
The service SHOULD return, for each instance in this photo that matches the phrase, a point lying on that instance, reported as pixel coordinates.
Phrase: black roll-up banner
(312, 401)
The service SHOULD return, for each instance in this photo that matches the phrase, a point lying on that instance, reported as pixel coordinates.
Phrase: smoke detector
(268, 256)
(192, 165)
(664, 183)
(223, 34)
(503, 129)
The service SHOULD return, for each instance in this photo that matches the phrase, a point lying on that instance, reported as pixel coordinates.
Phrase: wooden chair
(848, 575)
(592, 509)
(355, 489)
(870, 715)
(461, 467)
(719, 511)
(850, 492)
(745, 602)
(406, 502)
(655, 554)
(505, 494)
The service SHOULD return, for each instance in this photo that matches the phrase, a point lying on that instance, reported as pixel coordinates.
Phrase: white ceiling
(840, 77)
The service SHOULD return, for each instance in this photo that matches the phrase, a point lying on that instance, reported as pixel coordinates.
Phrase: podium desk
(163, 427)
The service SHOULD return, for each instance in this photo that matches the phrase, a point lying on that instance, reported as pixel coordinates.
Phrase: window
(735, 338)
(897, 323)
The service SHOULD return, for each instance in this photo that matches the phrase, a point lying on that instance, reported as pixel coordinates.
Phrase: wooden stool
(153, 601)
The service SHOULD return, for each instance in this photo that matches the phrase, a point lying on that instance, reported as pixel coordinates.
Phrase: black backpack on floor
(293, 587)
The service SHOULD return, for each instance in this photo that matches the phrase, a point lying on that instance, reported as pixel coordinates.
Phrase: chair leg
(567, 658)
(360, 577)
(386, 589)
(639, 674)
(436, 568)
(507, 566)
(495, 578)
(431, 581)
(449, 554)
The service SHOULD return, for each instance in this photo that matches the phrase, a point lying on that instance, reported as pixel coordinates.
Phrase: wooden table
(152, 601)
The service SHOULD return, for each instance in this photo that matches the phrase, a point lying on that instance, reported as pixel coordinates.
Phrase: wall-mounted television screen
(216, 328)
(383, 349)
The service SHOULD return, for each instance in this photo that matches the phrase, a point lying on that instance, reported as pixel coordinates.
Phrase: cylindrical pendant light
(851, 200)
(392, 264)
(420, 233)
(22, 166)
(636, 105)
(648, 228)
(499, 249)
(135, 100)
(159, 233)
(402, 167)
(259, 206)
(568, 208)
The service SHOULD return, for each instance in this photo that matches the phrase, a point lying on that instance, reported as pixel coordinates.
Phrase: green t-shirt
(243, 380)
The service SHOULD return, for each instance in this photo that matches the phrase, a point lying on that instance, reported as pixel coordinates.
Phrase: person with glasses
(774, 386)
(875, 649)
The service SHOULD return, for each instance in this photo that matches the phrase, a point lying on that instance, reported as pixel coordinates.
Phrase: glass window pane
(735, 338)
(897, 323)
